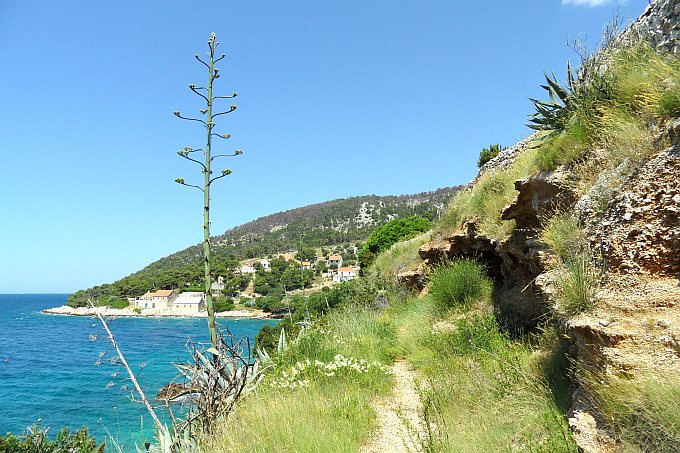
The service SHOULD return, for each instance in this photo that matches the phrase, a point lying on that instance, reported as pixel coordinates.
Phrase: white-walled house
(161, 299)
(248, 269)
(345, 274)
(217, 287)
(189, 302)
(306, 265)
(265, 264)
(334, 260)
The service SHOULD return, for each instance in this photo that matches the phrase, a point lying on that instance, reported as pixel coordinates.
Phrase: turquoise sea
(49, 366)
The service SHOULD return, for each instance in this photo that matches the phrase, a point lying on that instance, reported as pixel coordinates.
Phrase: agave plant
(212, 384)
(553, 115)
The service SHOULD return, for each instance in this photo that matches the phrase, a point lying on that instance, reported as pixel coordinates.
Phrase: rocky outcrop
(659, 24)
(634, 331)
(539, 196)
(640, 229)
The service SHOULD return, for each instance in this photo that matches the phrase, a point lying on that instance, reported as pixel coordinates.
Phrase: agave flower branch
(206, 93)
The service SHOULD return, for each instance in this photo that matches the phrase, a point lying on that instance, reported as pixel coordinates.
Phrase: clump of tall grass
(564, 148)
(577, 276)
(642, 413)
(577, 285)
(563, 233)
(458, 284)
(485, 201)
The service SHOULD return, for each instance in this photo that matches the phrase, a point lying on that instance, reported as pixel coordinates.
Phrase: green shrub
(486, 154)
(35, 439)
(458, 283)
(223, 304)
(384, 236)
(669, 103)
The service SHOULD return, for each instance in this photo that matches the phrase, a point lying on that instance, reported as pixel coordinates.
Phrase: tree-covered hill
(329, 224)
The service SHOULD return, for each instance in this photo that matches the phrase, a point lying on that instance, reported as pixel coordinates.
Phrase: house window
(153, 305)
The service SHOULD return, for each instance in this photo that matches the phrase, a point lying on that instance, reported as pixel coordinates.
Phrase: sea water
(62, 369)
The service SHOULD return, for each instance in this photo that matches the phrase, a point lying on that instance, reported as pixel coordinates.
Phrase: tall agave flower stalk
(206, 93)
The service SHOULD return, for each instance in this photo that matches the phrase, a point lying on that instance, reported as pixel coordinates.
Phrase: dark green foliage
(553, 115)
(114, 302)
(486, 154)
(458, 283)
(389, 234)
(669, 103)
(223, 304)
(35, 440)
(306, 254)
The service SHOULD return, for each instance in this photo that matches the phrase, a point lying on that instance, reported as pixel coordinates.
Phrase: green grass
(318, 397)
(485, 201)
(643, 413)
(481, 390)
(401, 256)
(458, 284)
(323, 417)
(565, 148)
(577, 285)
(563, 233)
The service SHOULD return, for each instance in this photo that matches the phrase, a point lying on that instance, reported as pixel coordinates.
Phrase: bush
(35, 439)
(114, 302)
(486, 154)
(223, 304)
(458, 284)
(383, 237)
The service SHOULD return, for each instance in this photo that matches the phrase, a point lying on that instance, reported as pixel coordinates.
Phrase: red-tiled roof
(334, 258)
(346, 269)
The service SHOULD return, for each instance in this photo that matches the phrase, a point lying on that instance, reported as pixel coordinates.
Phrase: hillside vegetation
(329, 224)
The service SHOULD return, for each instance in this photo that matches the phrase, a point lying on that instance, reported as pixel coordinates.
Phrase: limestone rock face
(539, 196)
(640, 228)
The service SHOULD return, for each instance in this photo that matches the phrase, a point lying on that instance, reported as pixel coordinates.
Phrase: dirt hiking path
(399, 423)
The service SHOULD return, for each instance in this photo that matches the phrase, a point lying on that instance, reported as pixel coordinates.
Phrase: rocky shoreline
(65, 310)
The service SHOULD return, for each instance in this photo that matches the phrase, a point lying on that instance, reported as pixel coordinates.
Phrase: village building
(334, 260)
(265, 264)
(306, 265)
(216, 288)
(163, 298)
(345, 274)
(248, 269)
(286, 256)
(189, 302)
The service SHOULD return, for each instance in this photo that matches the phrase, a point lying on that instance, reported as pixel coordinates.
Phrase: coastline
(65, 310)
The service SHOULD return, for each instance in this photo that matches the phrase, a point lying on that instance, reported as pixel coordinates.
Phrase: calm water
(48, 366)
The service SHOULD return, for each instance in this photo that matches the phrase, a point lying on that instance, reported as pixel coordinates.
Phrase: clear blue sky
(335, 99)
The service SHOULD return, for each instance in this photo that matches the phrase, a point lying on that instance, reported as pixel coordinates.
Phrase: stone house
(189, 302)
(163, 298)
